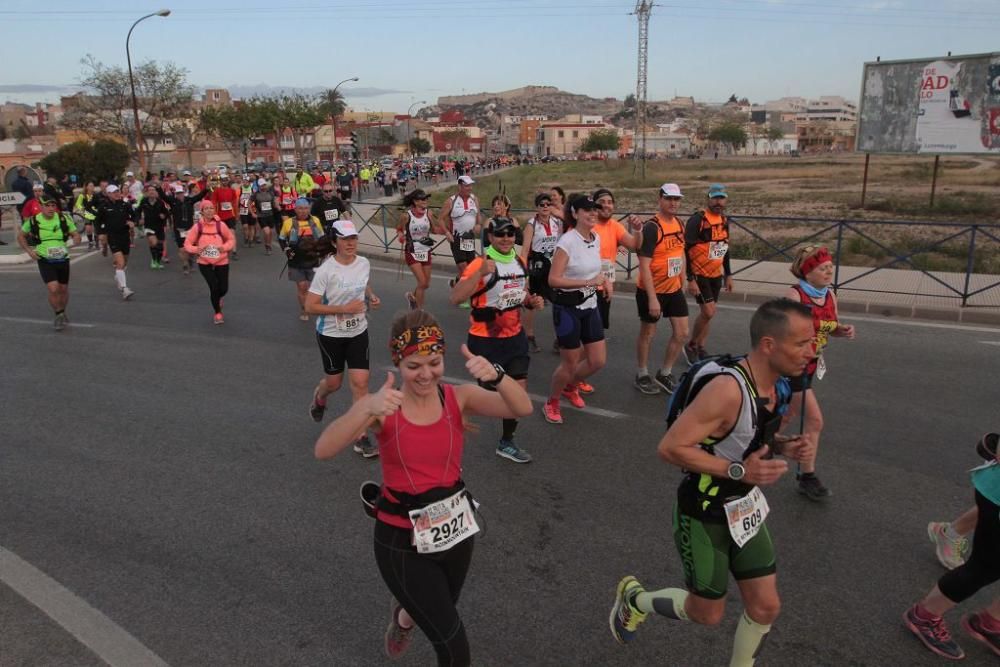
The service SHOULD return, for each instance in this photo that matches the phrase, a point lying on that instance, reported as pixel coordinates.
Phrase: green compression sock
(748, 642)
(668, 602)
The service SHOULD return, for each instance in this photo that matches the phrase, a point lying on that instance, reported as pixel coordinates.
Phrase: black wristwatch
(736, 471)
(492, 384)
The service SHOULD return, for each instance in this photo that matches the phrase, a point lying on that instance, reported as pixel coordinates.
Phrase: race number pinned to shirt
(349, 321)
(608, 270)
(227, 206)
(467, 245)
(717, 249)
(420, 254)
(210, 252)
(332, 214)
(746, 516)
(56, 253)
(674, 266)
(510, 297)
(265, 206)
(442, 525)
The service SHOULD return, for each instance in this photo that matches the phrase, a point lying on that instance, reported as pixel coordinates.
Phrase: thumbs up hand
(386, 400)
(479, 367)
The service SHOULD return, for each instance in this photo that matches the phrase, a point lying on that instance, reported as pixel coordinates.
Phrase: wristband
(492, 384)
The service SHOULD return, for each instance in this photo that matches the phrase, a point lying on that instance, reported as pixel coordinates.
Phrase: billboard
(934, 105)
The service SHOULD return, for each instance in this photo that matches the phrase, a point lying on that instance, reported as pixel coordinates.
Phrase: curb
(957, 314)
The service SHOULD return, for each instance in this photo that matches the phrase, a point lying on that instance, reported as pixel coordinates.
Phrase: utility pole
(643, 8)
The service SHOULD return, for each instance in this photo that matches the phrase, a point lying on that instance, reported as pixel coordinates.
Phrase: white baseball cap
(129, 173)
(261, 181)
(465, 180)
(345, 228)
(111, 188)
(671, 190)
(185, 173)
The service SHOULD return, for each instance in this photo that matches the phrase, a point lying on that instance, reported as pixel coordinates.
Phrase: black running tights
(983, 566)
(217, 278)
(427, 586)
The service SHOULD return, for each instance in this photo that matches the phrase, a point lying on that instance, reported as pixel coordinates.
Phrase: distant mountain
(244, 91)
(486, 108)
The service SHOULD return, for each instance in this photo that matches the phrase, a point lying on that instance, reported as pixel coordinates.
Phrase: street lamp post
(139, 141)
(408, 139)
(336, 150)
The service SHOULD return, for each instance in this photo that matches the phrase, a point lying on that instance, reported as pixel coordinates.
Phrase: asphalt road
(161, 469)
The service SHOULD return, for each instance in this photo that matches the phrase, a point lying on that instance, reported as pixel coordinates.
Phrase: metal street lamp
(336, 150)
(408, 140)
(139, 142)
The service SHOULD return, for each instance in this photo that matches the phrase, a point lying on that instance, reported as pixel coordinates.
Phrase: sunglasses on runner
(325, 190)
(672, 198)
(503, 233)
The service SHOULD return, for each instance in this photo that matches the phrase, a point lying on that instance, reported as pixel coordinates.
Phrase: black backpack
(34, 234)
(688, 388)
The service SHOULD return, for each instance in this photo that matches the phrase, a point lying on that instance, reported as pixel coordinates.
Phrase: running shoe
(508, 450)
(60, 322)
(465, 304)
(572, 394)
(933, 634)
(397, 638)
(691, 353)
(625, 618)
(159, 265)
(366, 447)
(152, 264)
(303, 317)
(316, 411)
(812, 488)
(645, 384)
(975, 626)
(533, 345)
(127, 293)
(584, 387)
(702, 353)
(555, 347)
(666, 382)
(950, 552)
(411, 301)
(164, 260)
(187, 270)
(90, 245)
(218, 319)
(267, 251)
(553, 414)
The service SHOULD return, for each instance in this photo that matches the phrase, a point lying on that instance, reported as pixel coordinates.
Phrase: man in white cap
(132, 187)
(460, 222)
(659, 290)
(114, 216)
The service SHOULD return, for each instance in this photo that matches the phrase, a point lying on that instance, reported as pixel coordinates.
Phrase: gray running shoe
(127, 293)
(508, 450)
(666, 382)
(645, 384)
(60, 322)
(366, 447)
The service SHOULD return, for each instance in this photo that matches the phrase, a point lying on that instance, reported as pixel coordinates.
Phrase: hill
(486, 108)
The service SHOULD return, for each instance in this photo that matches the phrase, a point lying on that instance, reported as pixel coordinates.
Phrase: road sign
(11, 198)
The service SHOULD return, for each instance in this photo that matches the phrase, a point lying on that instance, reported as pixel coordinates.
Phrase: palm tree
(332, 103)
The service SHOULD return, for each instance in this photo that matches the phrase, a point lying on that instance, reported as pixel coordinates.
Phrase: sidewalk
(886, 292)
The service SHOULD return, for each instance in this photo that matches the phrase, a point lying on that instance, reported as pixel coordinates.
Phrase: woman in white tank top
(413, 233)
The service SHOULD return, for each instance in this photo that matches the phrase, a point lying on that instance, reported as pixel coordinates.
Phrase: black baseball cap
(542, 196)
(501, 222)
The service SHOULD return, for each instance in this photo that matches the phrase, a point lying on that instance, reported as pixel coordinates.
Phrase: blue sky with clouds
(761, 49)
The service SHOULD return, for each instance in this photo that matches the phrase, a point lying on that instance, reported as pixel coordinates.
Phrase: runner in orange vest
(707, 238)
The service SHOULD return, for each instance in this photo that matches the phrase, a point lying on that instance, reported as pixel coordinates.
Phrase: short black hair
(771, 319)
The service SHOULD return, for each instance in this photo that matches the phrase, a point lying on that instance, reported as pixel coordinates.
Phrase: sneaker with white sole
(951, 552)
(645, 384)
(127, 293)
(508, 450)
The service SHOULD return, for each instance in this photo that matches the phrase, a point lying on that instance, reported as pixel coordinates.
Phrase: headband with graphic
(424, 340)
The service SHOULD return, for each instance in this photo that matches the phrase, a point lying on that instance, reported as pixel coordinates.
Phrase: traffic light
(354, 144)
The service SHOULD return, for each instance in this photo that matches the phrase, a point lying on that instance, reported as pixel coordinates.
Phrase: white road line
(28, 320)
(599, 412)
(990, 342)
(848, 317)
(100, 634)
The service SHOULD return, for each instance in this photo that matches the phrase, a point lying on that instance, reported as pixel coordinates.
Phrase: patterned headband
(418, 340)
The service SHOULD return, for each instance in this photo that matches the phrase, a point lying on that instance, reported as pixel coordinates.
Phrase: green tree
(90, 161)
(22, 132)
(774, 135)
(419, 146)
(730, 134)
(163, 97)
(237, 126)
(601, 140)
(630, 101)
(332, 103)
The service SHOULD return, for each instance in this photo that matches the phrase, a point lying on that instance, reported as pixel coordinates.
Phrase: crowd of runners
(735, 422)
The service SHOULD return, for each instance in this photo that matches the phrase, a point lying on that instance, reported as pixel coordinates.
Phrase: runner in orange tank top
(707, 238)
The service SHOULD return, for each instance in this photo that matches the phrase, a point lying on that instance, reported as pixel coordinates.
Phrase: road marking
(28, 320)
(100, 634)
(599, 412)
(990, 342)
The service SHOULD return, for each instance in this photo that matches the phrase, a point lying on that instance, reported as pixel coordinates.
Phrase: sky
(406, 51)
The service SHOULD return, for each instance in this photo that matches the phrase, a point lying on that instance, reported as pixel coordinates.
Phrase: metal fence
(942, 262)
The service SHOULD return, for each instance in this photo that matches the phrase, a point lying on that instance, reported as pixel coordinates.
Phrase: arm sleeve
(650, 236)
(318, 284)
(726, 269)
(692, 230)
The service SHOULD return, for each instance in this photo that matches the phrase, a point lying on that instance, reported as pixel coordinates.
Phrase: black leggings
(217, 278)
(428, 586)
(983, 566)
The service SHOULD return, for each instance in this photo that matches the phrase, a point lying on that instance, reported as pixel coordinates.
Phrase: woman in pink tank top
(425, 517)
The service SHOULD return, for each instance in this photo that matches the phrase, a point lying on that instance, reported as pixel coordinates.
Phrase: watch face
(736, 471)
